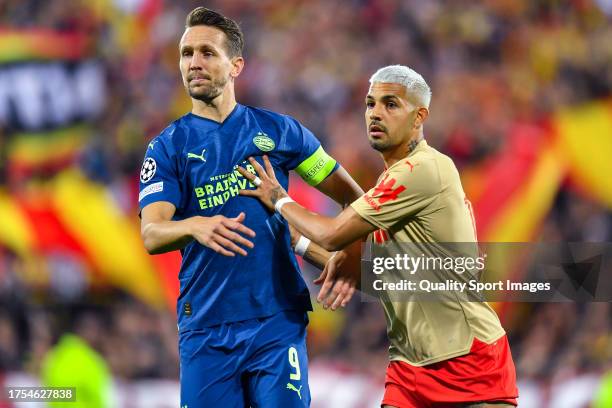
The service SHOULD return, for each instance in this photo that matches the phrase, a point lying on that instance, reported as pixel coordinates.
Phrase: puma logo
(292, 388)
(197, 156)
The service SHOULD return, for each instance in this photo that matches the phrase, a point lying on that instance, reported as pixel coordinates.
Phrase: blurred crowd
(490, 64)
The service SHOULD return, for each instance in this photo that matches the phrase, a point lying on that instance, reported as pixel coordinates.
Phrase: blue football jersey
(192, 164)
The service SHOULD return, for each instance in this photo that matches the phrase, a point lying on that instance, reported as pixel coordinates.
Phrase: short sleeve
(312, 163)
(404, 189)
(159, 179)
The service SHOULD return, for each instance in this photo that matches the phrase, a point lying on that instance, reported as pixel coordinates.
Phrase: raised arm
(331, 233)
(161, 234)
(340, 187)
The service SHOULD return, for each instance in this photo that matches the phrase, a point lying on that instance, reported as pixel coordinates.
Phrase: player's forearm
(315, 254)
(341, 187)
(349, 190)
(166, 236)
(318, 228)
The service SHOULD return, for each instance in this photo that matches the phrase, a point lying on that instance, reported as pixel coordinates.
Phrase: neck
(219, 108)
(402, 150)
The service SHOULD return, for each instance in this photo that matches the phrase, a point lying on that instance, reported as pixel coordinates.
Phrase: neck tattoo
(413, 144)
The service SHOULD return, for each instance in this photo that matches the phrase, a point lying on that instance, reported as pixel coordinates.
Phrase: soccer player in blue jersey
(242, 304)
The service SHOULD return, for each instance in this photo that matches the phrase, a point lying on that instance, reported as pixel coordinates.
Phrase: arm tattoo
(276, 194)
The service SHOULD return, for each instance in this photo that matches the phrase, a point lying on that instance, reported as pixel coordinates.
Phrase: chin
(378, 145)
(203, 94)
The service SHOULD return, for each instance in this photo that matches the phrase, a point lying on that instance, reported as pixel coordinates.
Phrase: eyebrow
(205, 47)
(384, 98)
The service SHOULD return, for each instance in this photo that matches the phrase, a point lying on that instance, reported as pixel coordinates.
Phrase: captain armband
(316, 167)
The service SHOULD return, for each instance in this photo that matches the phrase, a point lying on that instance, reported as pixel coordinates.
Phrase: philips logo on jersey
(222, 187)
(263, 142)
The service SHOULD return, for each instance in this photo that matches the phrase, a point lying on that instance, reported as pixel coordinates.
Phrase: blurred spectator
(74, 362)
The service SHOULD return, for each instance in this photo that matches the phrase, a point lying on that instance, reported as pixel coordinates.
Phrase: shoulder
(419, 171)
(445, 165)
(267, 115)
(173, 137)
(420, 164)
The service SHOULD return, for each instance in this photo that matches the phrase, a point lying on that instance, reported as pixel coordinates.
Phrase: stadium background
(521, 102)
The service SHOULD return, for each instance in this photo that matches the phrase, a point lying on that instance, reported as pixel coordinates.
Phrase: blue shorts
(253, 363)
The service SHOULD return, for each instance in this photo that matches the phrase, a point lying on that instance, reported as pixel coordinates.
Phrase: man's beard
(380, 145)
(207, 93)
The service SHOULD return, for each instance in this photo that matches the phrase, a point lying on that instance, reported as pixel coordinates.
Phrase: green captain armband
(316, 167)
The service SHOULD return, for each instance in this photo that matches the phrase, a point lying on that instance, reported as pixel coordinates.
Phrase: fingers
(334, 293)
(249, 193)
(325, 288)
(329, 270)
(239, 218)
(260, 170)
(321, 277)
(340, 296)
(269, 168)
(249, 176)
(236, 224)
(229, 245)
(232, 236)
(348, 297)
(219, 249)
(223, 235)
(342, 293)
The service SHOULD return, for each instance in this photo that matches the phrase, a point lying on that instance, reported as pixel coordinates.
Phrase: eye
(208, 53)
(391, 105)
(186, 53)
(369, 104)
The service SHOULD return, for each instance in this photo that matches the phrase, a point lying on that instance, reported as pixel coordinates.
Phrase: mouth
(376, 131)
(198, 79)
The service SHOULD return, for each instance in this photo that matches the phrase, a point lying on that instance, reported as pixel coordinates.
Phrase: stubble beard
(379, 145)
(207, 93)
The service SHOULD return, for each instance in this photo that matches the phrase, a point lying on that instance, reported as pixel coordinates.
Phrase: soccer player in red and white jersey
(445, 353)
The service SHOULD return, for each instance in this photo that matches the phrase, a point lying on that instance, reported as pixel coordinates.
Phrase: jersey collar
(209, 125)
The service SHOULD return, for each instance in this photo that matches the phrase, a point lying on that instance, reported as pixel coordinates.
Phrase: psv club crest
(263, 142)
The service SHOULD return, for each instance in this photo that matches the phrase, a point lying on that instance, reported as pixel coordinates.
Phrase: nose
(374, 113)
(197, 62)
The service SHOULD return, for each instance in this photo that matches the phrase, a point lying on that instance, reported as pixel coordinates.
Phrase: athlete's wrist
(187, 225)
(276, 194)
(281, 202)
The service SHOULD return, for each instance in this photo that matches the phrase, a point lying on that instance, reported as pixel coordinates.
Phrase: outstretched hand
(338, 285)
(269, 190)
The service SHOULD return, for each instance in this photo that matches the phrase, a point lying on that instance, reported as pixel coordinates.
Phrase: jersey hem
(142, 205)
(231, 321)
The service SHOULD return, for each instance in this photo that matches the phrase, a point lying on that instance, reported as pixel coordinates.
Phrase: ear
(421, 116)
(237, 66)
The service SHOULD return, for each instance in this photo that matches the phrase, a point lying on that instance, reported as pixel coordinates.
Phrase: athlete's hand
(269, 190)
(222, 234)
(338, 285)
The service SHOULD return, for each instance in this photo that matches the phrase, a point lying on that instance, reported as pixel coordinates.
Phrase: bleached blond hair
(413, 81)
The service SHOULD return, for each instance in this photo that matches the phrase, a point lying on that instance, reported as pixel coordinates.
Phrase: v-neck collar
(210, 124)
